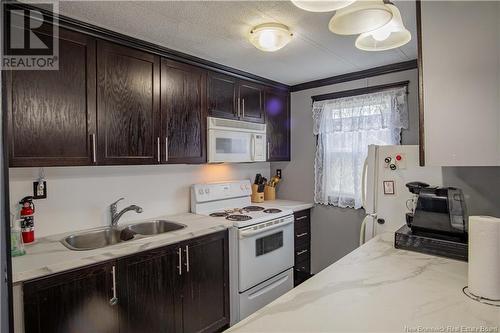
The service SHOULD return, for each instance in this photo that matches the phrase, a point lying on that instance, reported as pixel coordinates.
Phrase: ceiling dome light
(390, 36)
(321, 5)
(360, 17)
(270, 37)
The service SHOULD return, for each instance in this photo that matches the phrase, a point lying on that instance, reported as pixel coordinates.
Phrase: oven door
(265, 250)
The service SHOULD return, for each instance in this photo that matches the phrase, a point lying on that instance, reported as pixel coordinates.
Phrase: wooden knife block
(269, 193)
(257, 196)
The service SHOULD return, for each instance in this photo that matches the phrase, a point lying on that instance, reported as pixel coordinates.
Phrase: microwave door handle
(253, 147)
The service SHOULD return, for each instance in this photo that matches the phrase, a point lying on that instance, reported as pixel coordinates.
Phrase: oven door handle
(250, 232)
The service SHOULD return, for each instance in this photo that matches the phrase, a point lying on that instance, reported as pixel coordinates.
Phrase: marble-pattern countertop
(48, 256)
(378, 288)
(286, 204)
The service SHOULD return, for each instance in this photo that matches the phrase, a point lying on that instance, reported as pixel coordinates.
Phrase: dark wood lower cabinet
(205, 301)
(302, 236)
(182, 288)
(77, 301)
(148, 290)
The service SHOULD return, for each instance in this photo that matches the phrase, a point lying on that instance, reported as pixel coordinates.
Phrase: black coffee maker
(439, 211)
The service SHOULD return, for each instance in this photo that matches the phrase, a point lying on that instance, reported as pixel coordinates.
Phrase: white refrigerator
(386, 171)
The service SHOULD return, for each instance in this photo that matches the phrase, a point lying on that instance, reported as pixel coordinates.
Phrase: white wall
(335, 231)
(79, 197)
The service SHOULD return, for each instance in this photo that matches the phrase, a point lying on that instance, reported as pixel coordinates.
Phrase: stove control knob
(207, 190)
(242, 187)
(200, 191)
(247, 187)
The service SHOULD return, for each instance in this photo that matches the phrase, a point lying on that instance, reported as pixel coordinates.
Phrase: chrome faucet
(116, 216)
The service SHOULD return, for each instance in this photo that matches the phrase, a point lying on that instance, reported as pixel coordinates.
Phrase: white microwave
(235, 141)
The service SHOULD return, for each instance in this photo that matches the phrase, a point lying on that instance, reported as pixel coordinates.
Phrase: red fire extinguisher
(27, 215)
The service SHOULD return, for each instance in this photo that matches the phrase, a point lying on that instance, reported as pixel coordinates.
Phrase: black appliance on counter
(437, 223)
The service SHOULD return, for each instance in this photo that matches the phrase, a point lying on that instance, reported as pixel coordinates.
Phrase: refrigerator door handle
(363, 183)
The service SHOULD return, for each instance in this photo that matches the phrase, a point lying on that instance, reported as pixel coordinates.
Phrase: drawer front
(302, 236)
(302, 218)
(303, 266)
(302, 253)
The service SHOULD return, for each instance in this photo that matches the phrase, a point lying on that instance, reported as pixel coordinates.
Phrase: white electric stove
(261, 244)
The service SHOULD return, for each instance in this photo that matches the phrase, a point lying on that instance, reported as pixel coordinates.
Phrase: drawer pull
(301, 218)
(302, 235)
(301, 252)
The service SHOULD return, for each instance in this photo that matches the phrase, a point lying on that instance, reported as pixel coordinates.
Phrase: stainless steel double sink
(102, 237)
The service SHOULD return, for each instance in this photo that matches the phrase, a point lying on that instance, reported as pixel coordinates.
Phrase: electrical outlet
(278, 173)
(40, 190)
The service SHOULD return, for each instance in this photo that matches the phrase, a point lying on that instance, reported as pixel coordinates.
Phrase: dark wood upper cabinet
(278, 125)
(222, 99)
(51, 113)
(251, 98)
(128, 105)
(183, 112)
(205, 299)
(233, 98)
(78, 301)
(148, 291)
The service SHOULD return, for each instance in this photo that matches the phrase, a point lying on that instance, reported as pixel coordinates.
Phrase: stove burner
(219, 214)
(253, 208)
(238, 218)
(272, 210)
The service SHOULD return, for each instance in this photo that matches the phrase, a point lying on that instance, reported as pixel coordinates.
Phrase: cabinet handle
(301, 252)
(94, 153)
(239, 109)
(166, 148)
(301, 218)
(268, 149)
(158, 148)
(179, 267)
(243, 106)
(302, 235)
(187, 258)
(114, 300)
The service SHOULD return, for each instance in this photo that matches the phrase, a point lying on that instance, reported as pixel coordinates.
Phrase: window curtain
(344, 128)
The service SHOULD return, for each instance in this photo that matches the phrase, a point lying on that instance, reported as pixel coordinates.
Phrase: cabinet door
(206, 287)
(78, 301)
(51, 114)
(459, 96)
(147, 286)
(127, 105)
(278, 125)
(251, 98)
(183, 112)
(222, 96)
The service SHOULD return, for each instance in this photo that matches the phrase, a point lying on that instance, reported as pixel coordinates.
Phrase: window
(344, 128)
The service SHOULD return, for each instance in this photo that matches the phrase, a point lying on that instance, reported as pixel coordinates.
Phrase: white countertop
(378, 288)
(48, 255)
(286, 204)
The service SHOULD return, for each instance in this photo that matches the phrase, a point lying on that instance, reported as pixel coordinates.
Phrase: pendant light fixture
(270, 37)
(360, 17)
(390, 36)
(322, 5)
